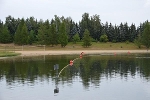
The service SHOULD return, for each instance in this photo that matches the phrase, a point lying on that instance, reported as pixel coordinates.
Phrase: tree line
(61, 30)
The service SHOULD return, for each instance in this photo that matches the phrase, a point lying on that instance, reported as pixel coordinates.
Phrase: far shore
(74, 52)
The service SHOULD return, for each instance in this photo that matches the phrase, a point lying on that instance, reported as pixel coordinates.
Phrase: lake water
(93, 77)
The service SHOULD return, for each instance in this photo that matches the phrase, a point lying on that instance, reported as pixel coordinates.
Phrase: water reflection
(90, 69)
(56, 67)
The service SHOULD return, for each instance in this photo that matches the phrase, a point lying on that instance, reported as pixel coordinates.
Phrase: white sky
(114, 11)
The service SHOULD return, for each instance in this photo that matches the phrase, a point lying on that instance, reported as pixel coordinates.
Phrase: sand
(73, 52)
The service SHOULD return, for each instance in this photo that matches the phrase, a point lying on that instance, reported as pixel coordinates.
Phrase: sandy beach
(70, 52)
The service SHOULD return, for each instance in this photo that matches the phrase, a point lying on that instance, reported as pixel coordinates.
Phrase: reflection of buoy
(56, 90)
(71, 62)
(128, 52)
(80, 56)
(114, 53)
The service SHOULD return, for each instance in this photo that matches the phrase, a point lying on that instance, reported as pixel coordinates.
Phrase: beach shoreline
(74, 52)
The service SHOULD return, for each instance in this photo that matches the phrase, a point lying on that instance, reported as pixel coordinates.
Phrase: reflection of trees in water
(144, 66)
(89, 69)
(90, 73)
(29, 69)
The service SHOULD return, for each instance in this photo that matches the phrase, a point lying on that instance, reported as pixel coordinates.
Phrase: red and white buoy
(71, 62)
(82, 53)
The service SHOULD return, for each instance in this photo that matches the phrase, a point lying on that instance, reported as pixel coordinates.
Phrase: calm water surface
(94, 77)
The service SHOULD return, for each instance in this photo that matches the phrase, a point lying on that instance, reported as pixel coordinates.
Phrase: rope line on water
(62, 70)
(69, 64)
(66, 66)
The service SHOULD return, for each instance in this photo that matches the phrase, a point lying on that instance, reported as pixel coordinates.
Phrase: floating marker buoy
(71, 62)
(128, 52)
(82, 53)
(114, 53)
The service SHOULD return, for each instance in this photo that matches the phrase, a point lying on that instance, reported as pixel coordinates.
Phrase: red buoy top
(82, 53)
(71, 62)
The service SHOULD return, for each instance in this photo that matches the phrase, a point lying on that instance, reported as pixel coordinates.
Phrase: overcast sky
(114, 11)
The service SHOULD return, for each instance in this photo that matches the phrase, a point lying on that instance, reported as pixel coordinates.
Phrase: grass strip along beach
(7, 50)
(9, 54)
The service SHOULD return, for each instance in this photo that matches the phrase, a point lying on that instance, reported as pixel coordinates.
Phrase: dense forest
(60, 30)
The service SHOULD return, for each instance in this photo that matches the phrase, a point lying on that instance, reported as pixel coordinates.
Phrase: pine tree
(1, 28)
(146, 35)
(76, 38)
(86, 38)
(47, 33)
(41, 35)
(12, 25)
(5, 35)
(24, 34)
(17, 34)
(31, 37)
(133, 33)
(138, 41)
(63, 38)
(53, 35)
(21, 35)
(84, 24)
